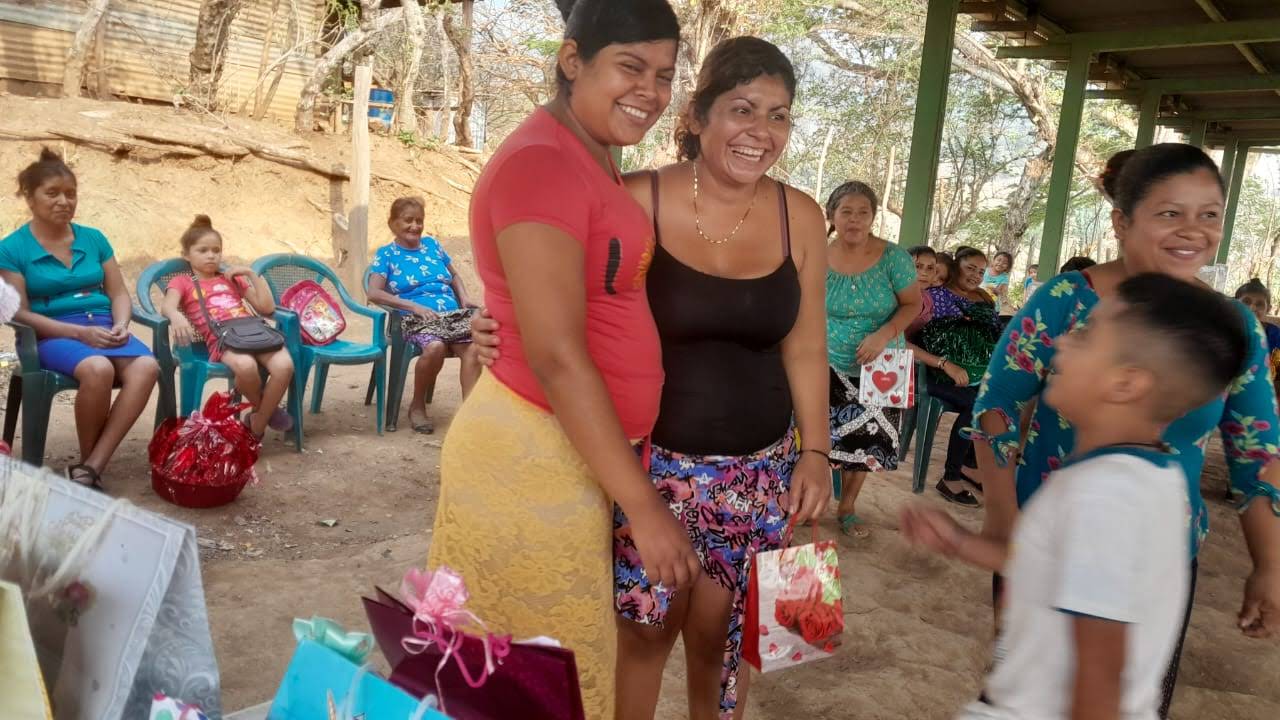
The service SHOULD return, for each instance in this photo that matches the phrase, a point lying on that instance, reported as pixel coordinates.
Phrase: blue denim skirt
(64, 354)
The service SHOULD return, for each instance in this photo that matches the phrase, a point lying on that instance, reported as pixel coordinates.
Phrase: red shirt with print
(224, 298)
(543, 174)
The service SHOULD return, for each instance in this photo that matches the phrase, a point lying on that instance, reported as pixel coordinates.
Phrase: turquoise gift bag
(326, 679)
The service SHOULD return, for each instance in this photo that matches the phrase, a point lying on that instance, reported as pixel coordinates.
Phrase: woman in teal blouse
(74, 296)
(872, 296)
(1168, 219)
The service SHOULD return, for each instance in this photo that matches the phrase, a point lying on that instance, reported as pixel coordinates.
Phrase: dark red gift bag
(532, 682)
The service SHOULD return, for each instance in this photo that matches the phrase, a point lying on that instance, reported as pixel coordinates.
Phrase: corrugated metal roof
(149, 44)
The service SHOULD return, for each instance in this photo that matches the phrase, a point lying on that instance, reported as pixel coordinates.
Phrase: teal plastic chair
(401, 357)
(191, 362)
(32, 389)
(283, 271)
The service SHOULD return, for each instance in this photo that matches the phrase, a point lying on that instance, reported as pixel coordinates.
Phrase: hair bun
(48, 155)
(202, 221)
(566, 8)
(1255, 281)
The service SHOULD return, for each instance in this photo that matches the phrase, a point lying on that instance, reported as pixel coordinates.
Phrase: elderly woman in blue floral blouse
(414, 275)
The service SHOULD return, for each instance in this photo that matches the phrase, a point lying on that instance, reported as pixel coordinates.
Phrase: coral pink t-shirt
(224, 298)
(543, 174)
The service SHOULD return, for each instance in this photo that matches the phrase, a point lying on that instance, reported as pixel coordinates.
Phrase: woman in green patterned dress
(872, 296)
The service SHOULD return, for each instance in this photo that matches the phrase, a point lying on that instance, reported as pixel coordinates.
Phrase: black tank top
(726, 390)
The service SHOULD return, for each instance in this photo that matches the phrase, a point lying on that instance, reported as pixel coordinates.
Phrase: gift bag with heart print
(889, 380)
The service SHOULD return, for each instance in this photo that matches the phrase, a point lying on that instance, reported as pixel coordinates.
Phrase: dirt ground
(918, 628)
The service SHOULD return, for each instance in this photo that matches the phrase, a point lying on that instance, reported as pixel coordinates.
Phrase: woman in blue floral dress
(1168, 219)
(414, 275)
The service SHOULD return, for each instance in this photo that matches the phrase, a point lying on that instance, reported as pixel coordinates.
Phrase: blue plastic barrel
(379, 95)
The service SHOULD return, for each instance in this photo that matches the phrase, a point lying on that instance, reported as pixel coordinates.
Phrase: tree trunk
(406, 115)
(210, 52)
(461, 40)
(358, 39)
(446, 81)
(73, 69)
(267, 39)
(295, 37)
(1017, 217)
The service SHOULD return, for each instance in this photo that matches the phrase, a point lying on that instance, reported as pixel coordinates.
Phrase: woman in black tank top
(737, 290)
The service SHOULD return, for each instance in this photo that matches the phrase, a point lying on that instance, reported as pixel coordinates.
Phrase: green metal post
(1233, 201)
(1198, 130)
(1147, 119)
(931, 110)
(1229, 149)
(1064, 156)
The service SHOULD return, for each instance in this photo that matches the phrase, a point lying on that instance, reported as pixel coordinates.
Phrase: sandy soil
(919, 628)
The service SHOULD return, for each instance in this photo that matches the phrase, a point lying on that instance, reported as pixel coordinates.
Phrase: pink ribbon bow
(437, 600)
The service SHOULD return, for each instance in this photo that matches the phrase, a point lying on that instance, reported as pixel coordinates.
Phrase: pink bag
(319, 315)
(476, 677)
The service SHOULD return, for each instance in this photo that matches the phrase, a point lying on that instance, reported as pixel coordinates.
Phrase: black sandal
(964, 497)
(85, 472)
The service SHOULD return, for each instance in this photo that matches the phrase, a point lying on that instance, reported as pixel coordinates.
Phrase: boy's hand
(932, 528)
(183, 332)
(1260, 613)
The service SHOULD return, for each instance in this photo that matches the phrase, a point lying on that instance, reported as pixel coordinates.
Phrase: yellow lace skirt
(522, 520)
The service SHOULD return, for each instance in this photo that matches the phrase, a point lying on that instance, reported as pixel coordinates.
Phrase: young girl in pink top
(226, 292)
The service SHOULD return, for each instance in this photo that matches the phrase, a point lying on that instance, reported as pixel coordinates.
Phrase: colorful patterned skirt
(732, 508)
(862, 438)
(450, 328)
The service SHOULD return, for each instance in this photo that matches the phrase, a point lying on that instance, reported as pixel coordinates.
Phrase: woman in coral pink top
(546, 440)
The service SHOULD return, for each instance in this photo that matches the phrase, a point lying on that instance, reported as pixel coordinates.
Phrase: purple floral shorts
(732, 508)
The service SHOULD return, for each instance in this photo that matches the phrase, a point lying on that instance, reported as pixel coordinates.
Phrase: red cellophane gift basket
(204, 460)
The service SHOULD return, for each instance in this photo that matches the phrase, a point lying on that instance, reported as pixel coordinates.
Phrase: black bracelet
(816, 450)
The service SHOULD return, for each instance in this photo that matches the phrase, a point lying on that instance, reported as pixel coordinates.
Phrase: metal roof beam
(1055, 51)
(1226, 33)
(1252, 137)
(1126, 95)
(1231, 83)
(1225, 114)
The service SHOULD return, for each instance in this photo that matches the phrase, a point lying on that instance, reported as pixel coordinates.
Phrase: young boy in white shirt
(1096, 573)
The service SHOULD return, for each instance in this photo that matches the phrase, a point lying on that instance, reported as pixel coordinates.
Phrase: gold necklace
(697, 222)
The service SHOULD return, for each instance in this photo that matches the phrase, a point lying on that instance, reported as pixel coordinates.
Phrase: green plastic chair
(401, 357)
(925, 425)
(283, 271)
(32, 389)
(192, 362)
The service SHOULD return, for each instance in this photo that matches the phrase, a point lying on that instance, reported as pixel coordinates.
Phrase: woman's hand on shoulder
(239, 270)
(484, 336)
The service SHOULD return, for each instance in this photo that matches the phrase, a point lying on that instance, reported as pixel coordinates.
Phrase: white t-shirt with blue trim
(1106, 536)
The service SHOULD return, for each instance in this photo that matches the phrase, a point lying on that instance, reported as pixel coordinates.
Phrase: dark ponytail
(1254, 287)
(50, 165)
(1111, 173)
(199, 228)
